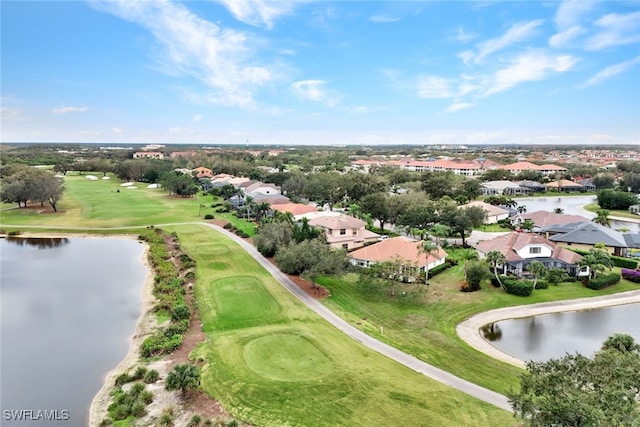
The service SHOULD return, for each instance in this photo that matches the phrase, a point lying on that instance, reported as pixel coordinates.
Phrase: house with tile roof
(541, 219)
(294, 208)
(564, 186)
(398, 248)
(521, 249)
(343, 231)
(494, 213)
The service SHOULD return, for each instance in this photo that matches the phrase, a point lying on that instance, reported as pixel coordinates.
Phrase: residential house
(494, 213)
(257, 187)
(403, 248)
(534, 186)
(541, 219)
(585, 235)
(343, 231)
(294, 208)
(204, 171)
(272, 199)
(521, 249)
(491, 188)
(564, 186)
(546, 170)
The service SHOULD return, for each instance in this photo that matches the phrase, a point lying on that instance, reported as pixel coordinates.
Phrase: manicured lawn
(492, 228)
(594, 207)
(272, 361)
(427, 329)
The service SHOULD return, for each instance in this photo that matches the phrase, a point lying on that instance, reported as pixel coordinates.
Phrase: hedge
(632, 275)
(603, 281)
(439, 269)
(520, 288)
(616, 260)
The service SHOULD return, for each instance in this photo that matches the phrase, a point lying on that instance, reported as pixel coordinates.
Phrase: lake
(69, 309)
(552, 335)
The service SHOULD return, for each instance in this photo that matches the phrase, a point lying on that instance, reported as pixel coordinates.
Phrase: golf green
(287, 357)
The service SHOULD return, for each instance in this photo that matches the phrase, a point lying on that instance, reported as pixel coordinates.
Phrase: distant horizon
(311, 72)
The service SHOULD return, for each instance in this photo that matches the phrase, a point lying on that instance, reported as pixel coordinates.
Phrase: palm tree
(440, 231)
(427, 247)
(185, 377)
(558, 210)
(261, 210)
(602, 218)
(537, 269)
(522, 209)
(467, 255)
(496, 258)
(597, 260)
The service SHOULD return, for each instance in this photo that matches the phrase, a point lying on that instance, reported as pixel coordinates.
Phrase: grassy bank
(426, 328)
(594, 207)
(272, 361)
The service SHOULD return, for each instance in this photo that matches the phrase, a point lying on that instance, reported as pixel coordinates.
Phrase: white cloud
(66, 110)
(518, 32)
(571, 12)
(117, 131)
(457, 106)
(564, 37)
(528, 67)
(220, 58)
(196, 118)
(433, 87)
(258, 12)
(616, 29)
(463, 37)
(313, 90)
(383, 19)
(611, 71)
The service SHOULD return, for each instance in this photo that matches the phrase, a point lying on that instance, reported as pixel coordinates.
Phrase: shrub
(632, 275)
(603, 281)
(180, 312)
(520, 288)
(151, 376)
(542, 284)
(616, 260)
(439, 269)
(228, 226)
(123, 379)
(208, 216)
(195, 421)
(139, 373)
(14, 233)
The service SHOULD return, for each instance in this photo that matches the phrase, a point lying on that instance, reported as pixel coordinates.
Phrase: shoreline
(469, 329)
(145, 325)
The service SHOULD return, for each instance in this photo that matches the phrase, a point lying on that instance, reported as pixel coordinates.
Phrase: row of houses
(510, 188)
(458, 167)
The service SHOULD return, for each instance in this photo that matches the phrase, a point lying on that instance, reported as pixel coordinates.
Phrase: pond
(69, 308)
(552, 335)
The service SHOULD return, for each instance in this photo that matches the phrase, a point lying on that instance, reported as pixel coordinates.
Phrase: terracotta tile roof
(403, 247)
(544, 218)
(490, 209)
(337, 222)
(294, 208)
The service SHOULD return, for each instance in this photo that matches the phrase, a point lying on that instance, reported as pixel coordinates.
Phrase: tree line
(25, 184)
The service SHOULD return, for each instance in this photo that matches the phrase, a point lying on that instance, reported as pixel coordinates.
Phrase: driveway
(393, 353)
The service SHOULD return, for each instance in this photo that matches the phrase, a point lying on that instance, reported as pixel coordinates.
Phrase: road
(409, 361)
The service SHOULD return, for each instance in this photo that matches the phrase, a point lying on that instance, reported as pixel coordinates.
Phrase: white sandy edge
(469, 330)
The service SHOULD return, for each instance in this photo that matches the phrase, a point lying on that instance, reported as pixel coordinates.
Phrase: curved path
(393, 353)
(469, 330)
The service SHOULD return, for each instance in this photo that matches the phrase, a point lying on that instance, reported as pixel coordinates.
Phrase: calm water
(69, 308)
(570, 205)
(552, 335)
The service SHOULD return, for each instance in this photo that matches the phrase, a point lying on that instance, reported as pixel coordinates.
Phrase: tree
(527, 224)
(537, 269)
(310, 259)
(501, 201)
(621, 342)
(427, 247)
(597, 260)
(440, 184)
(476, 272)
(602, 217)
(496, 258)
(579, 391)
(461, 220)
(604, 181)
(29, 184)
(272, 236)
(497, 175)
(467, 255)
(631, 182)
(439, 231)
(471, 189)
(184, 377)
(621, 200)
(377, 205)
(558, 210)
(522, 209)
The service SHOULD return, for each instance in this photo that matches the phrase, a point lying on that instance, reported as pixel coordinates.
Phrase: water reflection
(552, 335)
(491, 332)
(39, 242)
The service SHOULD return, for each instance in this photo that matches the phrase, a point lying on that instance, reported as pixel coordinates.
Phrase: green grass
(493, 228)
(272, 361)
(427, 330)
(594, 207)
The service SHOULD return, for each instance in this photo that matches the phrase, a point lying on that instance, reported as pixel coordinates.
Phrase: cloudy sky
(321, 72)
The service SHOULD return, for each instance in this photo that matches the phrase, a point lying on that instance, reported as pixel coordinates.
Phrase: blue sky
(321, 72)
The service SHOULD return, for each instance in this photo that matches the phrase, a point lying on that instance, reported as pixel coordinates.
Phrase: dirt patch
(317, 292)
